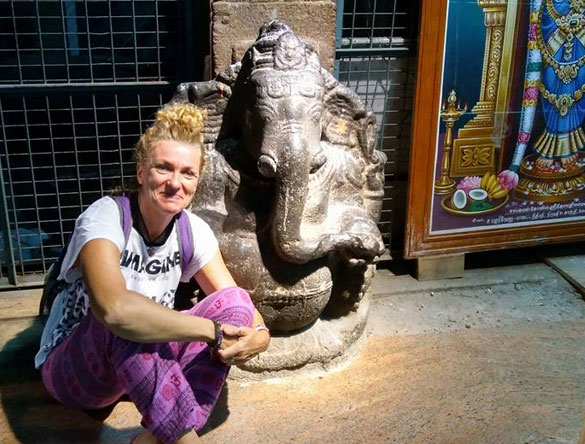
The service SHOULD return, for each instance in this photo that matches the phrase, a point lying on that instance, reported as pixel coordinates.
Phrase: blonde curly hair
(181, 122)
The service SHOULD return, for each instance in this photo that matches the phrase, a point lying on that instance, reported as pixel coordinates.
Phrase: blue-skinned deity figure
(561, 41)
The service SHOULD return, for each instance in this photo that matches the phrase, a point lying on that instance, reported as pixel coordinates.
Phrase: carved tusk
(267, 165)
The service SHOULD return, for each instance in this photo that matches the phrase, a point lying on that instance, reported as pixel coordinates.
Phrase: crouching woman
(112, 330)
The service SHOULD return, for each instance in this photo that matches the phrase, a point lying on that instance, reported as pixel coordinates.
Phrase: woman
(112, 332)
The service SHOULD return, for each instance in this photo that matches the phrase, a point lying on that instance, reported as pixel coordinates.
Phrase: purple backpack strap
(186, 248)
(125, 214)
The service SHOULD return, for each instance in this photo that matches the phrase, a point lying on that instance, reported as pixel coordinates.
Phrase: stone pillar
(235, 25)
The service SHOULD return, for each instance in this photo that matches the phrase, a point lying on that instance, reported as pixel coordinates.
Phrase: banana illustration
(492, 185)
(491, 181)
(503, 192)
(495, 188)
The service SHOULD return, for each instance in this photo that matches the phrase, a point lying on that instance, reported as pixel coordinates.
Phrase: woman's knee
(235, 296)
(228, 302)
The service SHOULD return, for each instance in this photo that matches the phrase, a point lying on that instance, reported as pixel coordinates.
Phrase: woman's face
(169, 175)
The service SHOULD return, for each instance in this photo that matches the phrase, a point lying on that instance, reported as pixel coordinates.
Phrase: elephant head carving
(293, 183)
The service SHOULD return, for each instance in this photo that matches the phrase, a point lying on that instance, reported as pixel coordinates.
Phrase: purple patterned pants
(174, 385)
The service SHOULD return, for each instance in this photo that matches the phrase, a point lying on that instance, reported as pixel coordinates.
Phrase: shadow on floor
(502, 258)
(32, 415)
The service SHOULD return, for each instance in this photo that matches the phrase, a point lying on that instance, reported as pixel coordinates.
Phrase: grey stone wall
(235, 25)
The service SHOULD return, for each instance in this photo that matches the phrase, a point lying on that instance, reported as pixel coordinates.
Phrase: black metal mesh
(71, 150)
(56, 41)
(376, 23)
(376, 59)
(79, 81)
(60, 151)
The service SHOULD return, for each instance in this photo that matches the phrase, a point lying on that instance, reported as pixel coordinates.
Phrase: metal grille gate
(80, 80)
(375, 57)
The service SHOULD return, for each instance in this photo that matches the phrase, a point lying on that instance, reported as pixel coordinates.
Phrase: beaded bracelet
(216, 343)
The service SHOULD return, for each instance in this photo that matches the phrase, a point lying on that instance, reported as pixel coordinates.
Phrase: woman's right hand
(231, 334)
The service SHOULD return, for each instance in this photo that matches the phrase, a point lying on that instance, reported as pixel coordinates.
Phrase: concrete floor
(497, 356)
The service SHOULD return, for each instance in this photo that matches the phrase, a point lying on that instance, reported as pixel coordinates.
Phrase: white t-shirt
(154, 272)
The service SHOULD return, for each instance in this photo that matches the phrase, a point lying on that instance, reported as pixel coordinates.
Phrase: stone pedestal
(325, 345)
(236, 24)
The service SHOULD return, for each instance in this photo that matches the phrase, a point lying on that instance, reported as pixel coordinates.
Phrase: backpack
(52, 285)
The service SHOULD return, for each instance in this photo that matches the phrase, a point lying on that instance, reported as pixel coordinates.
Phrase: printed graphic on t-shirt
(152, 267)
(156, 275)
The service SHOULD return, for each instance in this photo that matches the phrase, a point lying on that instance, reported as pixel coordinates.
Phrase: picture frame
(475, 93)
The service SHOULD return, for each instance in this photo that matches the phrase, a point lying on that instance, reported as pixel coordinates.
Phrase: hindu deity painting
(510, 148)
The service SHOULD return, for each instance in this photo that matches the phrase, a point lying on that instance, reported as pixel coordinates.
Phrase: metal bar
(34, 185)
(55, 173)
(338, 35)
(384, 109)
(119, 140)
(71, 29)
(382, 52)
(351, 39)
(135, 41)
(8, 248)
(89, 55)
(370, 56)
(97, 141)
(158, 62)
(14, 212)
(393, 23)
(370, 41)
(76, 155)
(353, 20)
(40, 35)
(65, 37)
(65, 88)
(112, 41)
(139, 113)
(17, 46)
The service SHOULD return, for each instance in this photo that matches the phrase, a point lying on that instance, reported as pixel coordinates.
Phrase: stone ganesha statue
(292, 185)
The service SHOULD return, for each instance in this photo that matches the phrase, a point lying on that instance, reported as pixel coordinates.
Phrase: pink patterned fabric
(174, 385)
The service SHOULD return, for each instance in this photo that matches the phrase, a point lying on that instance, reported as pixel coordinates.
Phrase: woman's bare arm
(215, 276)
(128, 314)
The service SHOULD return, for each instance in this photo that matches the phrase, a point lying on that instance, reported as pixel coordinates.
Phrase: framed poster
(498, 149)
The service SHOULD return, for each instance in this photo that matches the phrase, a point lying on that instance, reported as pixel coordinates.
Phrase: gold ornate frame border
(418, 240)
(478, 146)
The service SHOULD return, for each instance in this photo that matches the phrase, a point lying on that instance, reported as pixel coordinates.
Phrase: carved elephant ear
(212, 97)
(347, 120)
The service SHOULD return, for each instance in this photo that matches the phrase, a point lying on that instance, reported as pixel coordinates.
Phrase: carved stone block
(236, 24)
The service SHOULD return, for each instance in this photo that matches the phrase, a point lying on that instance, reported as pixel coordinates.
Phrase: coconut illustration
(478, 194)
(459, 199)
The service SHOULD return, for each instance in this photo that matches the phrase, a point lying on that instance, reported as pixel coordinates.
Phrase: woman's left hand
(250, 343)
